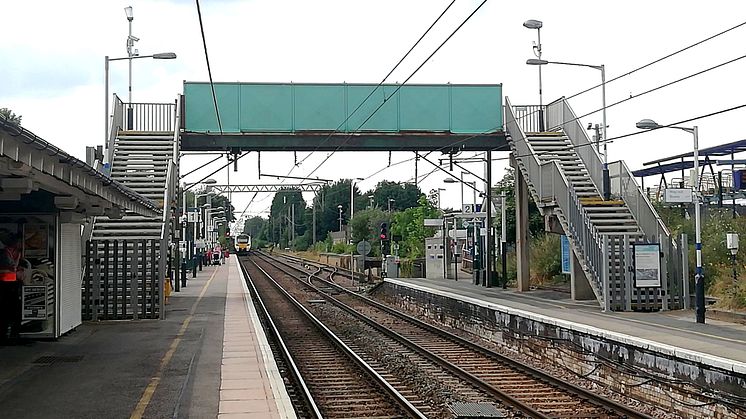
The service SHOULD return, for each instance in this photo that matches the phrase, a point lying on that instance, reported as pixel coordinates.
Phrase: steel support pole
(699, 278)
(106, 103)
(490, 255)
(606, 180)
(504, 239)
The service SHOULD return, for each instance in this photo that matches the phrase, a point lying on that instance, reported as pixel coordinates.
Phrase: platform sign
(193, 215)
(565, 251)
(678, 196)
(647, 259)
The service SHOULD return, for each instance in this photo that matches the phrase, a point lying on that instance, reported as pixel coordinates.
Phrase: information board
(565, 251)
(647, 265)
(34, 302)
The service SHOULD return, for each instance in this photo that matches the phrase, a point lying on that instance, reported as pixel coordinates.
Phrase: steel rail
(387, 387)
(536, 373)
(285, 352)
(505, 398)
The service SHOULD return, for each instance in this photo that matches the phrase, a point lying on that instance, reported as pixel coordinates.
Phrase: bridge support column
(521, 231)
(580, 288)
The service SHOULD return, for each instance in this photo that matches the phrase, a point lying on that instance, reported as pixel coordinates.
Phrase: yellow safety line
(147, 395)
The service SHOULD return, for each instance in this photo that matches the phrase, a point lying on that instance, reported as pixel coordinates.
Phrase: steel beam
(303, 187)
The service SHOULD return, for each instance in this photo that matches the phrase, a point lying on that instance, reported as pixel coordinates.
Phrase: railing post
(665, 246)
(133, 279)
(605, 272)
(628, 263)
(96, 284)
(685, 270)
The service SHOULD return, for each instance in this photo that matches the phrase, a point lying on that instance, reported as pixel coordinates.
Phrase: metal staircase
(564, 172)
(144, 158)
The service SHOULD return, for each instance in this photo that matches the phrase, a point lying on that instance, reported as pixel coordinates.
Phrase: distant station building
(46, 198)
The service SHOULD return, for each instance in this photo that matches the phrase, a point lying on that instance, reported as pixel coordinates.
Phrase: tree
(253, 226)
(535, 219)
(404, 195)
(327, 201)
(10, 116)
(410, 226)
(218, 201)
(280, 219)
(366, 225)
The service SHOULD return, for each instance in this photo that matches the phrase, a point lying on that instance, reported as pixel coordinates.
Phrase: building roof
(51, 164)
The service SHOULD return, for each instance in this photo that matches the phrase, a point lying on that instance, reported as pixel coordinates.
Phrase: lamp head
(536, 61)
(209, 181)
(450, 180)
(128, 12)
(533, 24)
(165, 56)
(647, 124)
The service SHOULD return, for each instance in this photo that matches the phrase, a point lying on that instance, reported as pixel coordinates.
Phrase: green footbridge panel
(305, 110)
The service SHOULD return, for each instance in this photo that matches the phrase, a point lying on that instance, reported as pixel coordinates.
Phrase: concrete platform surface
(148, 368)
(714, 343)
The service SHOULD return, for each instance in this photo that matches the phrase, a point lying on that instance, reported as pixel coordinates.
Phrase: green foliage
(716, 259)
(404, 195)
(535, 219)
(253, 226)
(10, 116)
(327, 202)
(280, 220)
(545, 257)
(342, 248)
(409, 224)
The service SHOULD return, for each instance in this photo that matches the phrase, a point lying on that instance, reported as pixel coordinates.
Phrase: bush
(545, 257)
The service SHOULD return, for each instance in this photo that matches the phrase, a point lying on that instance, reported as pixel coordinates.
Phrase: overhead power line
(665, 57)
(379, 84)
(400, 86)
(209, 70)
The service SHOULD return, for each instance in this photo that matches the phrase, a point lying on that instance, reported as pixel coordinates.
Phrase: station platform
(208, 358)
(718, 344)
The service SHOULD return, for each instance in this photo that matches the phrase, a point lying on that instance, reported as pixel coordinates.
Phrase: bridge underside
(320, 141)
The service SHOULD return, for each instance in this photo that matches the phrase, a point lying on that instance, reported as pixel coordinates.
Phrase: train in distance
(242, 244)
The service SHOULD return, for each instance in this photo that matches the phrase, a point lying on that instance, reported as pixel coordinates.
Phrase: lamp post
(699, 278)
(131, 55)
(352, 196)
(339, 207)
(602, 68)
(537, 24)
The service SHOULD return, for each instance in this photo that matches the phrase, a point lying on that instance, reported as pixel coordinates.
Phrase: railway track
(529, 391)
(338, 383)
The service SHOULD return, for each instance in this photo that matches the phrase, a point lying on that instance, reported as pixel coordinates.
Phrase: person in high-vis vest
(10, 287)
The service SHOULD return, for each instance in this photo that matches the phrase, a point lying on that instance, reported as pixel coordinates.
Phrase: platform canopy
(327, 117)
(29, 164)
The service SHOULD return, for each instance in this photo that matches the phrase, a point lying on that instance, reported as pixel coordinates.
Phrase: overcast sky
(52, 65)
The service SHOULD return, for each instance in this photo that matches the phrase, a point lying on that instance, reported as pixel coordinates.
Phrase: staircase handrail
(561, 116)
(551, 184)
(624, 185)
(116, 123)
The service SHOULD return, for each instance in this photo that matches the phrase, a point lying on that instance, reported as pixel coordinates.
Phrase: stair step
(620, 222)
(601, 202)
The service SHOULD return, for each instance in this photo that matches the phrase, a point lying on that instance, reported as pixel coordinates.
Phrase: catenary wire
(400, 86)
(209, 70)
(379, 84)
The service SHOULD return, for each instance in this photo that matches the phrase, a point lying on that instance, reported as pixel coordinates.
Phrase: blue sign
(565, 246)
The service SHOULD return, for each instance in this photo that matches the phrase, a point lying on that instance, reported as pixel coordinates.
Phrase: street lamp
(352, 196)
(537, 24)
(131, 55)
(339, 207)
(602, 68)
(390, 200)
(699, 279)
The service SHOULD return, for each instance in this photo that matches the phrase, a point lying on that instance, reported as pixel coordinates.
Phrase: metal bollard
(183, 274)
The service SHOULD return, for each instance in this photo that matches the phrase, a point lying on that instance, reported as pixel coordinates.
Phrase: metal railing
(115, 125)
(561, 117)
(529, 117)
(550, 185)
(623, 185)
(152, 117)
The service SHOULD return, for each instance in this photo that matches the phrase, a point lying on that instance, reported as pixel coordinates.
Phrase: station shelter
(47, 197)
